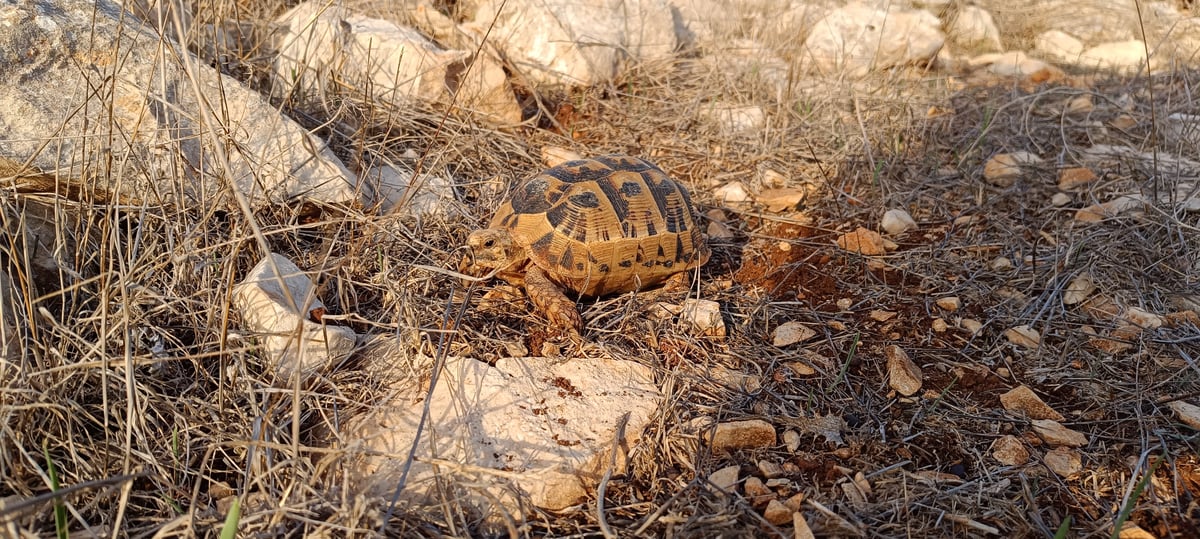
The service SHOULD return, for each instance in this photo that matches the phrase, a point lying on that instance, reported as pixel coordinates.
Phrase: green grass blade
(60, 510)
(1063, 529)
(1130, 503)
(229, 529)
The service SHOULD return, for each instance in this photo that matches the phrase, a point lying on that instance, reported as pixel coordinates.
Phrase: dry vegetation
(152, 409)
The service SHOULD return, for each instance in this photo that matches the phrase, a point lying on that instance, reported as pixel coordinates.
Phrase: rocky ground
(953, 289)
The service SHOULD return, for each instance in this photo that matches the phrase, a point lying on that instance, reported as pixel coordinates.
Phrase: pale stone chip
(1099, 212)
(782, 199)
(1078, 290)
(1071, 178)
(769, 470)
(552, 156)
(1022, 399)
(949, 303)
(791, 440)
(879, 315)
(1002, 170)
(790, 333)
(732, 193)
(1009, 450)
(796, 502)
(939, 325)
(725, 479)
(776, 513)
(1142, 318)
(800, 368)
(803, 531)
(897, 221)
(1063, 461)
(972, 325)
(903, 374)
(703, 317)
(1059, 200)
(1189, 414)
(750, 434)
(862, 241)
(756, 491)
(1000, 263)
(1024, 336)
(1055, 434)
(1132, 531)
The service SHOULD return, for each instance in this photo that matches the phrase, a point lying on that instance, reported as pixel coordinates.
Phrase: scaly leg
(548, 298)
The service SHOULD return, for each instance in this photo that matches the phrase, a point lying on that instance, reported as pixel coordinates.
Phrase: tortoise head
(493, 248)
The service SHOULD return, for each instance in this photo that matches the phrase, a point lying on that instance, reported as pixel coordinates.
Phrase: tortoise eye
(489, 243)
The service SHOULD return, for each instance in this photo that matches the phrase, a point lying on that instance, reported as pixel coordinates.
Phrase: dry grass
(153, 409)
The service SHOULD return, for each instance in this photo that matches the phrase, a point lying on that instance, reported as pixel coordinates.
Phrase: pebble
(1055, 434)
(1009, 451)
(750, 434)
(1024, 400)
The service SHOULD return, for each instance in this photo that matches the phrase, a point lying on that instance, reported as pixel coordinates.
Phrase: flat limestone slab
(536, 427)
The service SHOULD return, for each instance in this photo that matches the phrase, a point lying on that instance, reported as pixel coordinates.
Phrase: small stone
(799, 368)
(1119, 340)
(757, 492)
(897, 221)
(769, 470)
(773, 179)
(1002, 170)
(1078, 290)
(1055, 434)
(1189, 414)
(795, 502)
(703, 317)
(553, 156)
(1142, 318)
(881, 315)
(1080, 104)
(719, 230)
(1063, 461)
(1059, 200)
(790, 333)
(1009, 451)
(862, 241)
(1071, 178)
(1024, 336)
(732, 193)
(725, 479)
(1024, 400)
(750, 434)
(1001, 263)
(903, 374)
(1130, 530)
(776, 513)
(783, 199)
(1099, 212)
(791, 440)
(800, 525)
(1123, 122)
(949, 303)
(939, 325)
(779, 482)
(1102, 308)
(972, 325)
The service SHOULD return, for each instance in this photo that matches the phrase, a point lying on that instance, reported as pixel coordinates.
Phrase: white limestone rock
(974, 28)
(278, 303)
(432, 195)
(574, 42)
(88, 89)
(856, 39)
(1059, 46)
(1126, 57)
(321, 45)
(541, 427)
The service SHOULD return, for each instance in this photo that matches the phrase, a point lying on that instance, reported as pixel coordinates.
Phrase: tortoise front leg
(548, 298)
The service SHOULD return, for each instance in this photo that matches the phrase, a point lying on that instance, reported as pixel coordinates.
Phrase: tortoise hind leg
(548, 298)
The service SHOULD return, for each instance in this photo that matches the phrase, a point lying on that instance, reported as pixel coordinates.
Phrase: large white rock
(857, 38)
(1058, 45)
(431, 195)
(89, 93)
(1120, 56)
(975, 28)
(539, 427)
(321, 45)
(276, 301)
(575, 42)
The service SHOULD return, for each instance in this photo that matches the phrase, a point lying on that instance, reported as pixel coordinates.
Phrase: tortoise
(599, 226)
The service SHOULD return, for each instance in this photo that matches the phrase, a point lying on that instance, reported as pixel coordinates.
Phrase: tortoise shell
(605, 225)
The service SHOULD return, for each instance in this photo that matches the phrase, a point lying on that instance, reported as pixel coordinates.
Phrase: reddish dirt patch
(783, 266)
